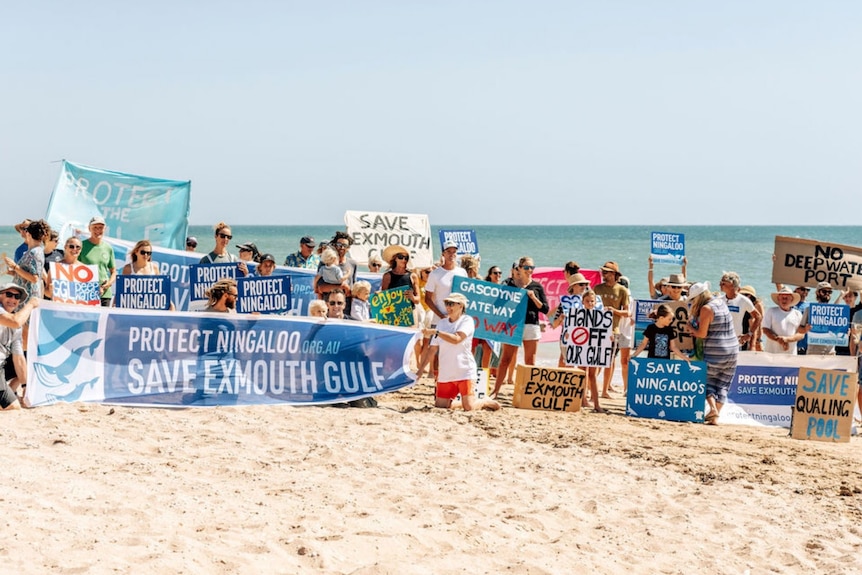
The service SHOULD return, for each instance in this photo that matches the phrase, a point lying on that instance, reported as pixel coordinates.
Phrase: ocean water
(710, 249)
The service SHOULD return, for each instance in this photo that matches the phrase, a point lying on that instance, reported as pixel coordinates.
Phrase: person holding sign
(659, 337)
(15, 308)
(710, 320)
(588, 302)
(782, 325)
(142, 261)
(398, 275)
(220, 255)
(100, 254)
(27, 271)
(536, 302)
(456, 374)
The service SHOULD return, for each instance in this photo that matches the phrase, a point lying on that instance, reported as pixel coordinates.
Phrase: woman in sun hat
(398, 274)
(710, 321)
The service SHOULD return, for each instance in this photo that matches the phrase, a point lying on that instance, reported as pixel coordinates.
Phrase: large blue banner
(134, 207)
(200, 359)
(498, 310)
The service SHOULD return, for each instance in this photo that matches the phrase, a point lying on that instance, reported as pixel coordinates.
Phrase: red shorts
(451, 389)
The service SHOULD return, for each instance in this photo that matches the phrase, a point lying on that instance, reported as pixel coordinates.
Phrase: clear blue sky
(495, 112)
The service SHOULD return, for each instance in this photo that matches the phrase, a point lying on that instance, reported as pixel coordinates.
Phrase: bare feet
(607, 396)
(598, 410)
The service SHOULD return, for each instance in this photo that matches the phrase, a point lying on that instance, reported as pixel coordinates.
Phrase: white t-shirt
(440, 285)
(456, 359)
(738, 306)
(783, 323)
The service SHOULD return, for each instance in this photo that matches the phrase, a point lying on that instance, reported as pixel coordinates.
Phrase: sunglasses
(342, 246)
(449, 303)
(335, 303)
(73, 247)
(233, 293)
(402, 257)
(12, 294)
(497, 273)
(191, 245)
(528, 268)
(374, 265)
(225, 236)
(146, 253)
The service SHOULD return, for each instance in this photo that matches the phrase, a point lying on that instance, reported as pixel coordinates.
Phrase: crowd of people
(722, 323)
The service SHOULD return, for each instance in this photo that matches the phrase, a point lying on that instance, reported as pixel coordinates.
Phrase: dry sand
(406, 488)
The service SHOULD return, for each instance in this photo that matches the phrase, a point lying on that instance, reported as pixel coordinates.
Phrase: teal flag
(134, 207)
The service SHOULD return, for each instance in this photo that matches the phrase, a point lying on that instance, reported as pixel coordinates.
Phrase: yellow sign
(549, 388)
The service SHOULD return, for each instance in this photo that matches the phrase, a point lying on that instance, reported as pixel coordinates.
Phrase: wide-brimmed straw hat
(611, 267)
(786, 291)
(748, 290)
(457, 298)
(676, 280)
(578, 278)
(392, 251)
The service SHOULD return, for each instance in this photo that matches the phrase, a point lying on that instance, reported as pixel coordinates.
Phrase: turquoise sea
(710, 249)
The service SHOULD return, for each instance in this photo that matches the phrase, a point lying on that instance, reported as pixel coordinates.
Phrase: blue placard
(187, 359)
(466, 240)
(667, 247)
(666, 389)
(143, 292)
(270, 294)
(203, 276)
(830, 324)
(498, 310)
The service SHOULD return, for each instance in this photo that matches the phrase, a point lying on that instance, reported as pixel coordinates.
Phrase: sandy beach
(406, 488)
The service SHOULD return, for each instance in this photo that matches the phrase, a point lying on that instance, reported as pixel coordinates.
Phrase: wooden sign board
(823, 410)
(549, 388)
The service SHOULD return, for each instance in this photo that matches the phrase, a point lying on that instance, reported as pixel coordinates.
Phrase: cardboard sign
(830, 324)
(373, 232)
(392, 307)
(554, 283)
(666, 389)
(642, 309)
(802, 262)
(824, 405)
(549, 388)
(667, 247)
(589, 337)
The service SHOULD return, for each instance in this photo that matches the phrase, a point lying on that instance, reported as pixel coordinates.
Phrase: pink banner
(554, 282)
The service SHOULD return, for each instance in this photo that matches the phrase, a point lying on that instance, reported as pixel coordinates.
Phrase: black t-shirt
(659, 340)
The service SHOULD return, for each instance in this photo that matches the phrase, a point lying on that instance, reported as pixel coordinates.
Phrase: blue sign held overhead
(466, 240)
(667, 247)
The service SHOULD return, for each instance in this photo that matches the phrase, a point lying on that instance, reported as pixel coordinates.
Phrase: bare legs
(507, 358)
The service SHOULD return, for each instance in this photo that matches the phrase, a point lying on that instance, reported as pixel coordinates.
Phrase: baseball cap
(449, 244)
(267, 258)
(97, 220)
(308, 241)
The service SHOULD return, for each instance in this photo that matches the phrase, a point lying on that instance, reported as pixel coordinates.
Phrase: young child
(659, 337)
(360, 309)
(588, 300)
(317, 308)
(329, 271)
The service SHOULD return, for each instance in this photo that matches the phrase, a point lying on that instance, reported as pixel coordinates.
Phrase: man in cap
(191, 244)
(248, 252)
(782, 325)
(616, 297)
(99, 253)
(739, 305)
(304, 258)
(453, 336)
(822, 295)
(14, 314)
